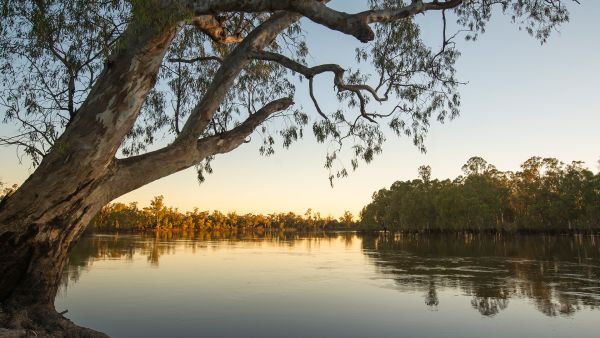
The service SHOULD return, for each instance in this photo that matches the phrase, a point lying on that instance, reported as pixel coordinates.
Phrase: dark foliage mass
(545, 195)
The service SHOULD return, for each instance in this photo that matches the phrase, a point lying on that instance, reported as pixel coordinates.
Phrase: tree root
(41, 321)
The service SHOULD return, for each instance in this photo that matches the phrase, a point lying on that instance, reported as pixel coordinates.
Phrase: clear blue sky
(522, 99)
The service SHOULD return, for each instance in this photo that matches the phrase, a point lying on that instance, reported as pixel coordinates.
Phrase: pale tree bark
(67, 186)
(47, 214)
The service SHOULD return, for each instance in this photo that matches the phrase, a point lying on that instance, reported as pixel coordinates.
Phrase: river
(334, 285)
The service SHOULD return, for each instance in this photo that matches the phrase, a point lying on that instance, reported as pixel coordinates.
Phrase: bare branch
(198, 59)
(314, 99)
(310, 72)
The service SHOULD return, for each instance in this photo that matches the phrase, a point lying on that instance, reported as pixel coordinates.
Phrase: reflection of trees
(560, 275)
(489, 306)
(431, 297)
(153, 245)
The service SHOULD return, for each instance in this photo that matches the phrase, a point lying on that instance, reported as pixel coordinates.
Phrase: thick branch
(230, 68)
(187, 150)
(137, 171)
(229, 140)
(114, 102)
(356, 25)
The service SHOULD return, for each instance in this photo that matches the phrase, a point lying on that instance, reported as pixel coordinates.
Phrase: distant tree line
(546, 195)
(157, 216)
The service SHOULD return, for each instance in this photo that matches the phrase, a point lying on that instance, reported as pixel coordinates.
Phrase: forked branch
(338, 80)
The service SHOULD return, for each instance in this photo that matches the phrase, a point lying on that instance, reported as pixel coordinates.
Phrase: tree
(547, 196)
(477, 166)
(347, 219)
(425, 173)
(88, 84)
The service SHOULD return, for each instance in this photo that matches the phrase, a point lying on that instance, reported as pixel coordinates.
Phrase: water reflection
(153, 245)
(560, 275)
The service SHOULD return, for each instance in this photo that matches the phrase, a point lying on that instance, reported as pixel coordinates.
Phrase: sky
(521, 99)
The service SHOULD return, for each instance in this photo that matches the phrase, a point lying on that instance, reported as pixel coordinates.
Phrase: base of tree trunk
(41, 321)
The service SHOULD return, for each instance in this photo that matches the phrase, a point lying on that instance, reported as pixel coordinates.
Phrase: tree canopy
(546, 195)
(53, 53)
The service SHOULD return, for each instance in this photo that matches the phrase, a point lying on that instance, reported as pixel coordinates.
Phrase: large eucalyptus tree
(86, 85)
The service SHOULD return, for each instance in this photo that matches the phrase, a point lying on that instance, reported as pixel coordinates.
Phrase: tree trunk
(45, 217)
(34, 249)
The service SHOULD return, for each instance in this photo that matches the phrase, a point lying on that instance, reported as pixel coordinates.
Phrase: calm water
(334, 285)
